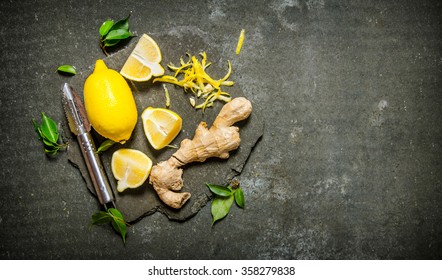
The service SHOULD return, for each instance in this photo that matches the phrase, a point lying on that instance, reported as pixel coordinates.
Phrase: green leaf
(111, 35)
(118, 34)
(239, 197)
(51, 151)
(100, 218)
(68, 69)
(220, 190)
(105, 145)
(49, 143)
(122, 24)
(106, 27)
(37, 130)
(115, 214)
(110, 43)
(114, 217)
(49, 128)
(118, 222)
(48, 134)
(120, 228)
(221, 207)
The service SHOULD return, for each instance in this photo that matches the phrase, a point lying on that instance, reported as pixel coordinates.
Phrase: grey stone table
(349, 165)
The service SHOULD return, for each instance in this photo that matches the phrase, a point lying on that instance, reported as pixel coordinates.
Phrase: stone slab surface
(143, 201)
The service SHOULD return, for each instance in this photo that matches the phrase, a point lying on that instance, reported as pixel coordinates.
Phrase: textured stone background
(349, 166)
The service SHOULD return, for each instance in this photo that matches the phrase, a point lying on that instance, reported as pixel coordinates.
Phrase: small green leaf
(37, 130)
(120, 228)
(114, 217)
(239, 197)
(220, 190)
(221, 207)
(36, 125)
(101, 218)
(48, 143)
(48, 134)
(110, 43)
(68, 69)
(115, 214)
(51, 151)
(118, 222)
(105, 145)
(106, 27)
(118, 34)
(49, 128)
(122, 24)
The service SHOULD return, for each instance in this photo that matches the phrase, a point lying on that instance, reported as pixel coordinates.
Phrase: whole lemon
(109, 103)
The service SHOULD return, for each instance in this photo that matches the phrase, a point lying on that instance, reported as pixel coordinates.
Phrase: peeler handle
(95, 168)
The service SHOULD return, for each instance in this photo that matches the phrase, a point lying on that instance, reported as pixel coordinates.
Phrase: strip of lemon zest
(240, 41)
(166, 92)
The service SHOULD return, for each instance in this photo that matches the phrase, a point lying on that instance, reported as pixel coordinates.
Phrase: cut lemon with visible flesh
(130, 167)
(144, 61)
(161, 126)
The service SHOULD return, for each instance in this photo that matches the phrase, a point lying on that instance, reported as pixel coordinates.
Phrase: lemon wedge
(161, 126)
(130, 167)
(144, 61)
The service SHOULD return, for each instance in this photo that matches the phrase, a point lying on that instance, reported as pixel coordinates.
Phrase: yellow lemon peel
(109, 103)
(198, 81)
(240, 41)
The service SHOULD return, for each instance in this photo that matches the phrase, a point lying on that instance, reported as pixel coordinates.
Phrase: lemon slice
(130, 167)
(161, 126)
(144, 61)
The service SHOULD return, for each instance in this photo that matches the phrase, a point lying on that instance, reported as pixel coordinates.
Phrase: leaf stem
(103, 48)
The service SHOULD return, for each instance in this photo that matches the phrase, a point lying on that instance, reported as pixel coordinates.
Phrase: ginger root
(218, 141)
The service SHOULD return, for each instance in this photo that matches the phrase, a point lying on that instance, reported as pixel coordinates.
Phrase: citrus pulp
(130, 167)
(161, 126)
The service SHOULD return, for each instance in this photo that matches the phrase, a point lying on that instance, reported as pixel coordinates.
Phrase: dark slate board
(138, 203)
